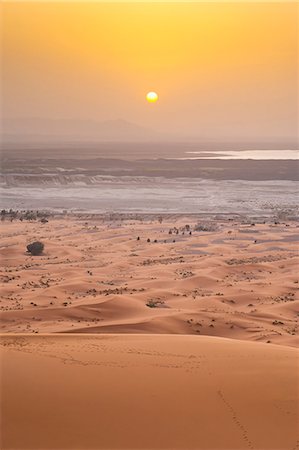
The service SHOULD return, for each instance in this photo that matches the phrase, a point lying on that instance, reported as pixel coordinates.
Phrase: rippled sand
(238, 281)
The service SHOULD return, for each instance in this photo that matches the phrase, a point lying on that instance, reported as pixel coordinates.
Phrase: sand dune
(143, 359)
(238, 281)
(147, 392)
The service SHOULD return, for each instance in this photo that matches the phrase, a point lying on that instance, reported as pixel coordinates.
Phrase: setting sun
(152, 97)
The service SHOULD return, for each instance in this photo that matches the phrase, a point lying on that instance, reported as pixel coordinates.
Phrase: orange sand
(174, 385)
(95, 276)
(147, 392)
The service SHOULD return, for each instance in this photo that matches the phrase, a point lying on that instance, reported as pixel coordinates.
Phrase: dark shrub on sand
(205, 227)
(36, 248)
(155, 303)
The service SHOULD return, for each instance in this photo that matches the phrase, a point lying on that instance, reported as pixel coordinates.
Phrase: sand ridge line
(201, 294)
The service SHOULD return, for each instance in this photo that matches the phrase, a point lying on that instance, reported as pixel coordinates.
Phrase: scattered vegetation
(21, 215)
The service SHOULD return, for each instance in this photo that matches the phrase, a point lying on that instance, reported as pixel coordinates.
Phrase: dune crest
(147, 392)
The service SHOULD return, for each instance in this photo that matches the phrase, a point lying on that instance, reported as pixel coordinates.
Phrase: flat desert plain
(124, 336)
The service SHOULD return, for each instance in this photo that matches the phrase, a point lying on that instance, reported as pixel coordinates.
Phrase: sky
(221, 70)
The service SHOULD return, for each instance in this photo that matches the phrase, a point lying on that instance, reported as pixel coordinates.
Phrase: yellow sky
(219, 68)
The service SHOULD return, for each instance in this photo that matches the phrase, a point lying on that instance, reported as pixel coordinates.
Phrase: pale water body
(247, 154)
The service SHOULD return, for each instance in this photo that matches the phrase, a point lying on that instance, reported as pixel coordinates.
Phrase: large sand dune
(147, 392)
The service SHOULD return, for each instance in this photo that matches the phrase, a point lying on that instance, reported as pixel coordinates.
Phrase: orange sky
(220, 69)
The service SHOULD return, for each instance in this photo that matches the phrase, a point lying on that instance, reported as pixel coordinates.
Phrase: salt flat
(99, 194)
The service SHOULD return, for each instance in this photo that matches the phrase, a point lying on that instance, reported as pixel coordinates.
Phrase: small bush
(155, 303)
(205, 227)
(36, 248)
(30, 215)
(277, 322)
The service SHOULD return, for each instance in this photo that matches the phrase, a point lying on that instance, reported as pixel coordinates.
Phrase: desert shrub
(155, 303)
(205, 227)
(35, 248)
(30, 215)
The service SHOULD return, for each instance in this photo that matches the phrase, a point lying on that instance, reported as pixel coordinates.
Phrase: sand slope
(147, 392)
(238, 281)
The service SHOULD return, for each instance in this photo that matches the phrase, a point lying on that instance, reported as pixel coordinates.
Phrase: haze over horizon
(223, 71)
(66, 131)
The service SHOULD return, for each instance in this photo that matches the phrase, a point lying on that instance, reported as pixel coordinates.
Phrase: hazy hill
(66, 130)
(25, 132)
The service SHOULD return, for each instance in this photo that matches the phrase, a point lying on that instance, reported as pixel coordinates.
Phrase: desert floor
(156, 339)
(147, 392)
(238, 281)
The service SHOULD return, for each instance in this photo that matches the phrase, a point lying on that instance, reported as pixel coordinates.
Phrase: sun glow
(151, 97)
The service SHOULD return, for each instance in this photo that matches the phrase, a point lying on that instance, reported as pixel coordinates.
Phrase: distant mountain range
(30, 132)
(68, 130)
